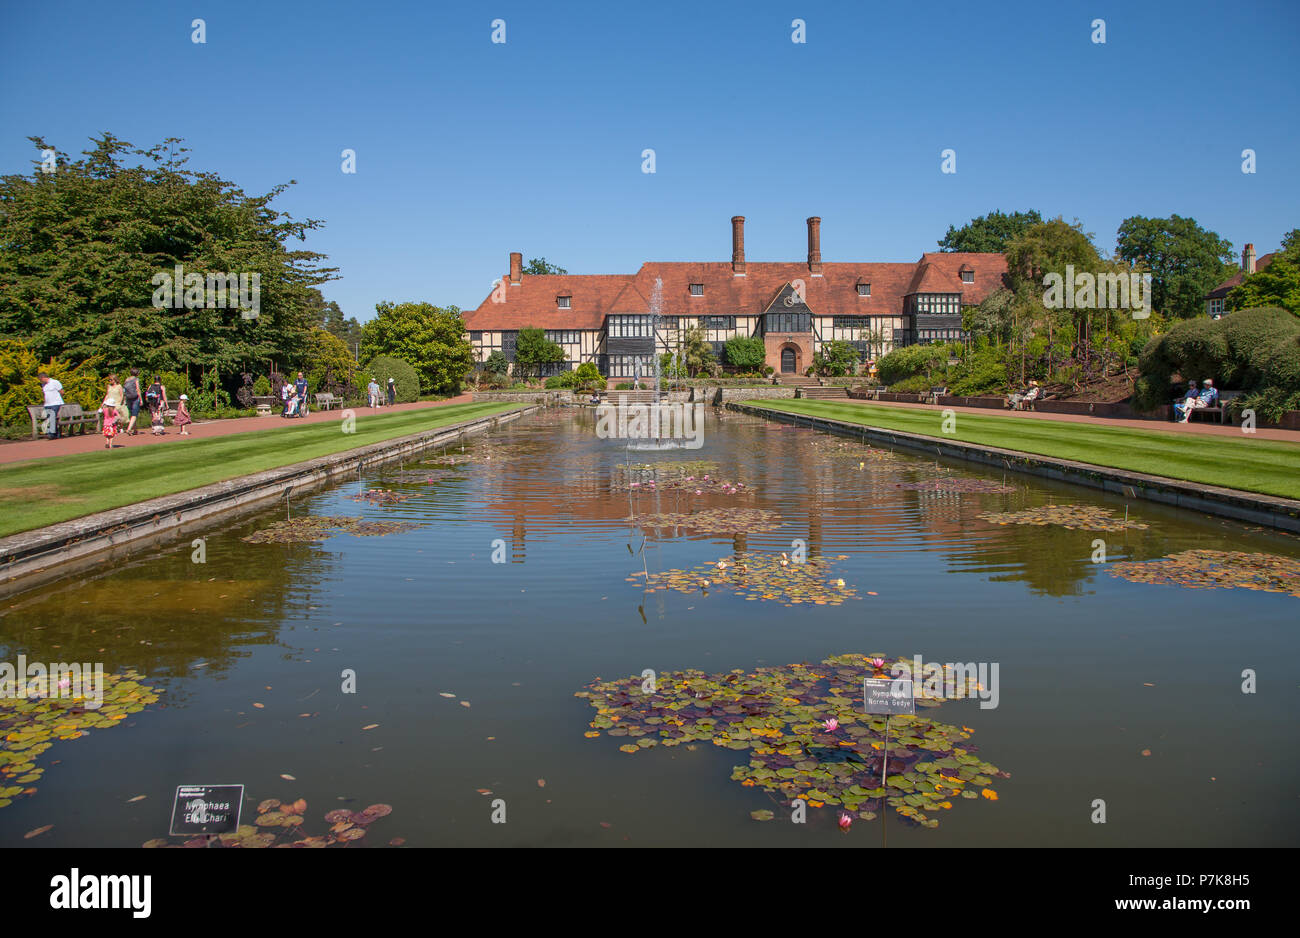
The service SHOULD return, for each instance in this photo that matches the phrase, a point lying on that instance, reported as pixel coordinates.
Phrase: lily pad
(780, 714)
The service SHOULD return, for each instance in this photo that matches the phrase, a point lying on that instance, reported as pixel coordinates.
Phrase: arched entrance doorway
(788, 361)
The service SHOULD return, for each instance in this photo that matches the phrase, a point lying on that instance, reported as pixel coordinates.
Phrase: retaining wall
(32, 557)
(1247, 507)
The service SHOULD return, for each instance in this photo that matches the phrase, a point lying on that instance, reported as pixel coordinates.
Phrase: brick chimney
(516, 267)
(815, 245)
(738, 245)
(1248, 259)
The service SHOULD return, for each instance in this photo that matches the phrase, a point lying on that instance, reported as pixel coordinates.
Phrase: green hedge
(1253, 350)
(911, 361)
(383, 367)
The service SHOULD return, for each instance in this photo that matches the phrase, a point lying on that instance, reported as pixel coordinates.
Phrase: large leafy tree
(533, 349)
(1278, 284)
(1186, 261)
(540, 267)
(989, 233)
(432, 339)
(80, 245)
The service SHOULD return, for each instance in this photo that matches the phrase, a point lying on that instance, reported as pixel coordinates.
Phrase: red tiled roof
(1235, 280)
(532, 303)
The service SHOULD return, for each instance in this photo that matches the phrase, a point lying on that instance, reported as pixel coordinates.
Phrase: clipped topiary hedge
(383, 367)
(1254, 350)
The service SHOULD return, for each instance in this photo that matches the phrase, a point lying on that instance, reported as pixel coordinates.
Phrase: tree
(329, 316)
(497, 363)
(836, 359)
(1186, 261)
(1050, 247)
(539, 267)
(745, 352)
(80, 246)
(533, 349)
(989, 233)
(696, 351)
(431, 338)
(330, 365)
(1278, 284)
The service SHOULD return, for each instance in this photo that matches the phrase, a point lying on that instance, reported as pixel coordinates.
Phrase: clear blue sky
(467, 150)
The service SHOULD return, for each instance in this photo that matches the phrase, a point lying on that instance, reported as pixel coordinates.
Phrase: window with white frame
(968, 276)
(864, 289)
(564, 302)
(697, 289)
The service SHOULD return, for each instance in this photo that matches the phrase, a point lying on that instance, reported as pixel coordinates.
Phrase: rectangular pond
(433, 668)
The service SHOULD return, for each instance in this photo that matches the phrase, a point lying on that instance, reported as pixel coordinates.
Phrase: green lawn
(1238, 462)
(39, 492)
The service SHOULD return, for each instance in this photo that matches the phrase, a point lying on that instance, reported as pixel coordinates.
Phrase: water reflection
(426, 612)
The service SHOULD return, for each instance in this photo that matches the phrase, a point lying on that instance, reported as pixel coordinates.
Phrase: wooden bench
(935, 394)
(1218, 412)
(71, 417)
(326, 400)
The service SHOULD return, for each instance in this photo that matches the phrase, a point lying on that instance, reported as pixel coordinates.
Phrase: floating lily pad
(1216, 569)
(382, 497)
(1073, 517)
(308, 529)
(714, 520)
(280, 828)
(32, 724)
(759, 576)
(781, 714)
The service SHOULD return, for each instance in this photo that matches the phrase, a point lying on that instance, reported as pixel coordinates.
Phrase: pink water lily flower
(878, 663)
(831, 725)
(845, 822)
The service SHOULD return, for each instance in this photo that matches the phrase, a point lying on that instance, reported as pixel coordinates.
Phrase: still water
(1094, 670)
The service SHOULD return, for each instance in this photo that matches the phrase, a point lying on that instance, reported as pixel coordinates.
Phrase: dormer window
(967, 275)
(563, 302)
(697, 289)
(864, 289)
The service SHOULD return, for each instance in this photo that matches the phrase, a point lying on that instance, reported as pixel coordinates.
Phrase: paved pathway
(1199, 428)
(91, 442)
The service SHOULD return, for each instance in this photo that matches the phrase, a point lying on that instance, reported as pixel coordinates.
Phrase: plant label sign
(891, 697)
(206, 809)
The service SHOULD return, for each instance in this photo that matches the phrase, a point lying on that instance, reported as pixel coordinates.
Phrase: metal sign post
(892, 698)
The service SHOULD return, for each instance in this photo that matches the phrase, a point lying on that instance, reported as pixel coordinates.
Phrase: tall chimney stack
(1248, 259)
(738, 245)
(516, 267)
(815, 245)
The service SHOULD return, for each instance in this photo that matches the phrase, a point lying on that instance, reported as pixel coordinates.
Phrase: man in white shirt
(53, 401)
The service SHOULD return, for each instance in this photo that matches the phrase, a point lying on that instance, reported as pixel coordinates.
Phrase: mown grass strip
(40, 492)
(1251, 464)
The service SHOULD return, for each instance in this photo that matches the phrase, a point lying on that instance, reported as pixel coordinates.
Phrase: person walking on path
(183, 415)
(53, 401)
(156, 398)
(115, 397)
(300, 388)
(114, 410)
(373, 390)
(132, 395)
(392, 392)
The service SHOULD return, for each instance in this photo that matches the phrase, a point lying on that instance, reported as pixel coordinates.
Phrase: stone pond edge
(1249, 507)
(32, 556)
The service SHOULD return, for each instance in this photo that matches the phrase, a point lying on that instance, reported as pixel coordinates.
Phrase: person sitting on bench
(1183, 406)
(1027, 396)
(1209, 397)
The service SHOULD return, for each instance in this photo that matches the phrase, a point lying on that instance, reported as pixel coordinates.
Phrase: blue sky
(467, 150)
